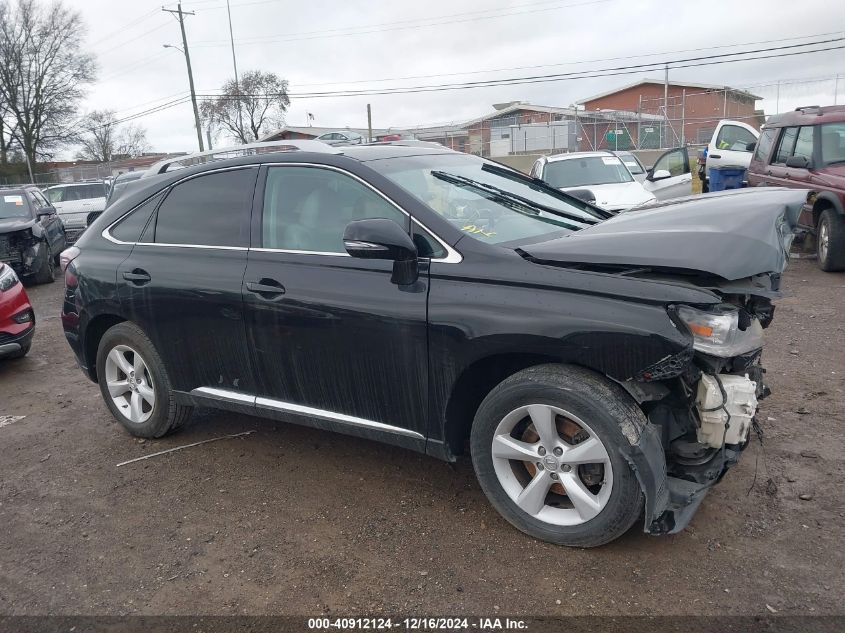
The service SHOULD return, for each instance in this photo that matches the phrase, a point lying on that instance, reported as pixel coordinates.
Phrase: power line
(447, 19)
(586, 61)
(605, 72)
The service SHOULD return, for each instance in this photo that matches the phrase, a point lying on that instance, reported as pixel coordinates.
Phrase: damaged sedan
(31, 234)
(601, 369)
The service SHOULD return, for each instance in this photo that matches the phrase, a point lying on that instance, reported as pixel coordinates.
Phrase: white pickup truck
(75, 204)
(732, 145)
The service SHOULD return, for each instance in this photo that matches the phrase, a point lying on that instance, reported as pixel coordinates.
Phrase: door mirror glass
(378, 238)
(799, 162)
(660, 174)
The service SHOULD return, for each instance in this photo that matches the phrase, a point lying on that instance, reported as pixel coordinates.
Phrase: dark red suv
(806, 149)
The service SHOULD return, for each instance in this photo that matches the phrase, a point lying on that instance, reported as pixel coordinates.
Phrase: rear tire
(830, 241)
(135, 385)
(504, 459)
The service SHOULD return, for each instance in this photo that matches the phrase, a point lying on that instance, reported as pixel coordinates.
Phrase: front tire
(135, 385)
(546, 450)
(46, 273)
(830, 241)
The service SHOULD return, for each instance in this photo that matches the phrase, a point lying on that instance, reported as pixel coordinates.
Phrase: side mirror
(380, 238)
(751, 146)
(660, 174)
(45, 212)
(800, 162)
(583, 194)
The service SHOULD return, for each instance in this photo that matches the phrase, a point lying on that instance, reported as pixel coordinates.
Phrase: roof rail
(249, 149)
(812, 107)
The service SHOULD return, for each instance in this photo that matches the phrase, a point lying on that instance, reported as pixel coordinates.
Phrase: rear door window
(785, 145)
(208, 210)
(804, 143)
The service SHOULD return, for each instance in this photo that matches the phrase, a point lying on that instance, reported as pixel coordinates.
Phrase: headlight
(8, 278)
(717, 332)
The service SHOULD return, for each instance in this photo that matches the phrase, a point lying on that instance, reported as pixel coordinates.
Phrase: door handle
(137, 276)
(715, 155)
(266, 288)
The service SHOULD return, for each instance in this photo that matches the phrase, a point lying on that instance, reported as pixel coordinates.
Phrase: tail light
(67, 256)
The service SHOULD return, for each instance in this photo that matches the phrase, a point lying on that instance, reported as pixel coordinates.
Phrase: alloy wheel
(552, 465)
(824, 241)
(130, 384)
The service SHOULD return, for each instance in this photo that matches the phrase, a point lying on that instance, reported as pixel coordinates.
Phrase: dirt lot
(293, 521)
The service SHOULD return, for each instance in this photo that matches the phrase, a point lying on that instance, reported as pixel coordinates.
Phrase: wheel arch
(94, 332)
(478, 379)
(825, 200)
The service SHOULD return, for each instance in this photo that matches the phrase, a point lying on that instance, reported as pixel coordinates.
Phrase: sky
(326, 45)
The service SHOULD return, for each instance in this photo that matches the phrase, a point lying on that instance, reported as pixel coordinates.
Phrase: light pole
(181, 17)
(235, 66)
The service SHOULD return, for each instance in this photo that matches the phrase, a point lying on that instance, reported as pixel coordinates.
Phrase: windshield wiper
(541, 185)
(510, 197)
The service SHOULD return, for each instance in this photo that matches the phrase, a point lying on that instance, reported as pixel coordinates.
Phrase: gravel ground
(290, 520)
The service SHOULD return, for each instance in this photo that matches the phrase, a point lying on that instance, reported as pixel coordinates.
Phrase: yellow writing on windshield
(477, 230)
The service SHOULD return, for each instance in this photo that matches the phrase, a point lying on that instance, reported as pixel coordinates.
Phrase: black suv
(598, 368)
(31, 233)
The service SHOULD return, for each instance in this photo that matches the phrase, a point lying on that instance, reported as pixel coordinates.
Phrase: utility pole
(181, 19)
(836, 89)
(369, 124)
(777, 99)
(665, 104)
(683, 117)
(235, 66)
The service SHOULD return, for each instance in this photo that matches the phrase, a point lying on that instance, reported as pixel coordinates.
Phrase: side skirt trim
(236, 397)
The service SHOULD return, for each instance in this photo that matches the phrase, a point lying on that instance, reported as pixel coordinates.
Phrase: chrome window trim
(106, 233)
(351, 420)
(238, 397)
(452, 255)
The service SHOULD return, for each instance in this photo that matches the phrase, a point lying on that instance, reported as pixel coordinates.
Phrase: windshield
(833, 143)
(631, 163)
(491, 203)
(587, 170)
(12, 205)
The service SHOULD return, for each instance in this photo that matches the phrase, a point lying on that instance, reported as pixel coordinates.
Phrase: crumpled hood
(733, 234)
(10, 225)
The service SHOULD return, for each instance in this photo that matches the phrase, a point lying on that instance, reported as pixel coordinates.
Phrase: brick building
(692, 109)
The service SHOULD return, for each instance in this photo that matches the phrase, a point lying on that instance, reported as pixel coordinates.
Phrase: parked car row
(433, 300)
(617, 181)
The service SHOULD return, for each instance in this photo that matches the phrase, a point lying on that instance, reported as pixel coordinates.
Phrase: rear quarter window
(129, 229)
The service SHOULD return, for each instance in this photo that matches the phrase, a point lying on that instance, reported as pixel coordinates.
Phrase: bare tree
(101, 139)
(42, 72)
(96, 136)
(251, 108)
(132, 141)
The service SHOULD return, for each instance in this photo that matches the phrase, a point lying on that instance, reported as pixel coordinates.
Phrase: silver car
(77, 205)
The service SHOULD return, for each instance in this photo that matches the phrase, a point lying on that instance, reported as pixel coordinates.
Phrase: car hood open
(733, 234)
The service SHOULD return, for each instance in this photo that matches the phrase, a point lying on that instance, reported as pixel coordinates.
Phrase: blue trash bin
(726, 177)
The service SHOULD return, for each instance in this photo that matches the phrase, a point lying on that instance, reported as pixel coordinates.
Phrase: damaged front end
(701, 405)
(701, 401)
(23, 251)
